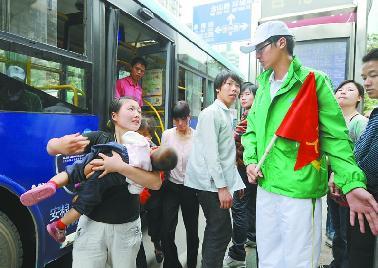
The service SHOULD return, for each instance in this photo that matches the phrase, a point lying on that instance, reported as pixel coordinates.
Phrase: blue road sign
(224, 21)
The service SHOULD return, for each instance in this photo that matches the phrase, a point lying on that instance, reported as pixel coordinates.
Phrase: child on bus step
(135, 152)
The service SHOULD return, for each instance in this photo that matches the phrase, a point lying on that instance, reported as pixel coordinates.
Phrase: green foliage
(369, 104)
(372, 41)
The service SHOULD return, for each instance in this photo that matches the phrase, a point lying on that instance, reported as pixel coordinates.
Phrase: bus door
(136, 39)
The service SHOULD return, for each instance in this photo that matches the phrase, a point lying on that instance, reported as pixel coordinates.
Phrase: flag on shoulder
(301, 124)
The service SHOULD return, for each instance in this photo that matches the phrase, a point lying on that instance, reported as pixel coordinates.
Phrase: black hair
(248, 86)
(359, 87)
(180, 110)
(371, 55)
(222, 77)
(147, 123)
(164, 158)
(114, 107)
(139, 60)
(290, 42)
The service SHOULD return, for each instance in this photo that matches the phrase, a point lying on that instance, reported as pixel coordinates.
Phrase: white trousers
(100, 245)
(288, 231)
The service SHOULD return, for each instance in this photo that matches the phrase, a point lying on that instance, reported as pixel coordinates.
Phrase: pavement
(325, 255)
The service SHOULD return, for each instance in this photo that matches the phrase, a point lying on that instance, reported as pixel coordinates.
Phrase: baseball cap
(264, 31)
(16, 72)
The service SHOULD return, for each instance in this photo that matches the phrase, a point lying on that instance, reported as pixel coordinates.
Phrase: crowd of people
(269, 172)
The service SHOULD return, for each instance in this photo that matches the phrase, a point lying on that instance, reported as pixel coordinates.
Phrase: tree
(372, 42)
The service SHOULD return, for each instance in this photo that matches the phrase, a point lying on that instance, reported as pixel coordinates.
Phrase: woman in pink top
(130, 85)
(175, 194)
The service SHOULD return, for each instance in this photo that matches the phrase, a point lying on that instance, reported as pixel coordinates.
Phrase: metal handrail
(158, 116)
(61, 87)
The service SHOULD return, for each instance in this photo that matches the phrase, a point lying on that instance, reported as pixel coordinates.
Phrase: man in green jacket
(288, 208)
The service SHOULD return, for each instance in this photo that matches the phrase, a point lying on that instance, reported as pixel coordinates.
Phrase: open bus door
(137, 39)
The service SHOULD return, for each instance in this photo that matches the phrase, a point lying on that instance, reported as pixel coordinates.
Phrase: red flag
(301, 123)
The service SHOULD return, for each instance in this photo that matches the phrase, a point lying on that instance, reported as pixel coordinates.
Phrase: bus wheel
(10, 244)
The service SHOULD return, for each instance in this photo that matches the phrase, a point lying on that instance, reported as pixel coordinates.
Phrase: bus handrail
(61, 87)
(157, 114)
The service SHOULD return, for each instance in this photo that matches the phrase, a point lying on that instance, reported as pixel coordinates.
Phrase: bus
(59, 61)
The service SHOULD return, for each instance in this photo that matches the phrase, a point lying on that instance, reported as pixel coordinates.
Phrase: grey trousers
(218, 230)
(100, 245)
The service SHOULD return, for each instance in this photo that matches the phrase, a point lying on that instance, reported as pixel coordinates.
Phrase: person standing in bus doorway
(362, 246)
(244, 206)
(212, 170)
(288, 206)
(130, 85)
(176, 194)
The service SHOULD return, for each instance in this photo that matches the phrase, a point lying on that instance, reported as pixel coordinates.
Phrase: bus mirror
(145, 13)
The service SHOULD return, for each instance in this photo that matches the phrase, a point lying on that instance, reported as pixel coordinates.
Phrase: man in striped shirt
(361, 246)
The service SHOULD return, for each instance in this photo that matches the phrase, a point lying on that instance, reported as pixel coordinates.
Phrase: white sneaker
(229, 262)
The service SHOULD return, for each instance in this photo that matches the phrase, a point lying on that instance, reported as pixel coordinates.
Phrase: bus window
(58, 23)
(191, 88)
(189, 54)
(210, 93)
(35, 85)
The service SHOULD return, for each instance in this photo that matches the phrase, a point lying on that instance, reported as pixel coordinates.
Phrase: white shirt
(212, 161)
(183, 147)
(275, 84)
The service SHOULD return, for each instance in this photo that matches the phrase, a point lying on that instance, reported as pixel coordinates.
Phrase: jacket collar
(291, 78)
(221, 104)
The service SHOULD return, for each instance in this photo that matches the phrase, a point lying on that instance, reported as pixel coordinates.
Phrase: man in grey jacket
(212, 170)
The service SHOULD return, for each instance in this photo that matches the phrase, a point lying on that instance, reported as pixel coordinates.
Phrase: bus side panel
(25, 161)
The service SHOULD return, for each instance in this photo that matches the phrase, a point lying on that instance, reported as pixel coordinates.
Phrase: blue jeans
(243, 219)
(330, 230)
(340, 221)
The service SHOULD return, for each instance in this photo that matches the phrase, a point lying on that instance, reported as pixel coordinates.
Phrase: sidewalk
(325, 255)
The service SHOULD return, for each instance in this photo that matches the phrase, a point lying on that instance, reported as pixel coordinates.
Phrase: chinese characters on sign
(153, 86)
(59, 211)
(224, 21)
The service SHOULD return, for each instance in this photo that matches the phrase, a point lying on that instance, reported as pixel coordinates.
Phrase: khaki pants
(100, 245)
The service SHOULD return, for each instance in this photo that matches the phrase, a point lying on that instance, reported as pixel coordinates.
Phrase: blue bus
(59, 61)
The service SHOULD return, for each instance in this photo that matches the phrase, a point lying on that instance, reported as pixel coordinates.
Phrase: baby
(135, 151)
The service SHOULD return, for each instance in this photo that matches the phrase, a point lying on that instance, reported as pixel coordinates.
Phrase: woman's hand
(108, 164)
(68, 144)
(333, 189)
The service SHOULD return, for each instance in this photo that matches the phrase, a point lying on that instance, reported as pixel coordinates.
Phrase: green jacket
(278, 169)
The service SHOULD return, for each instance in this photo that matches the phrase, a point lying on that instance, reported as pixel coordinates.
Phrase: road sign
(224, 21)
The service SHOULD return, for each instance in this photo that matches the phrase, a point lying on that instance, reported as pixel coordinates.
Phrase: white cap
(16, 72)
(264, 31)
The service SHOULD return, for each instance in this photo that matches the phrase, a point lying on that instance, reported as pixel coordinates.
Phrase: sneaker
(37, 194)
(250, 243)
(56, 233)
(229, 262)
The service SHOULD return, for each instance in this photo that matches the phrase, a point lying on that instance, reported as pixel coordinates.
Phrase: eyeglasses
(260, 49)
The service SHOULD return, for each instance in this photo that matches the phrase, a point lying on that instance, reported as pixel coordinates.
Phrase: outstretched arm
(67, 145)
